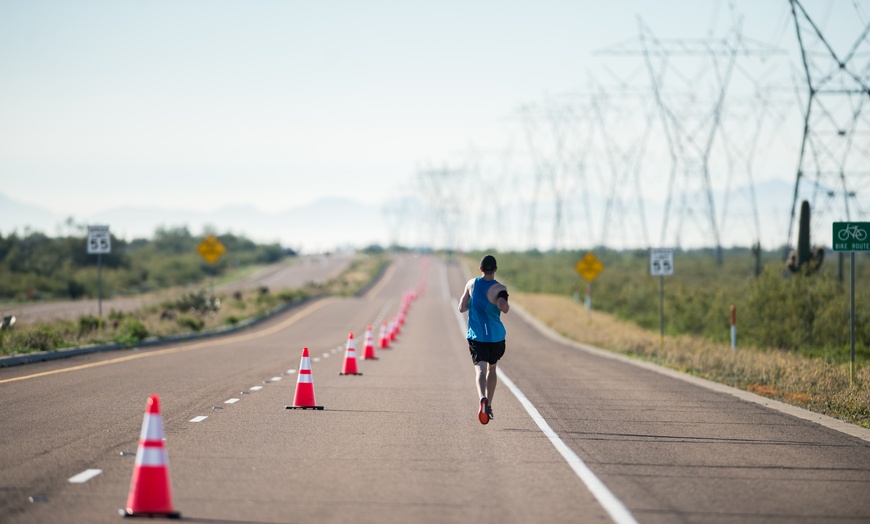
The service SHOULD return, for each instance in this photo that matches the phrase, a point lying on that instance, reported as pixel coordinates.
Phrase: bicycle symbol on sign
(852, 231)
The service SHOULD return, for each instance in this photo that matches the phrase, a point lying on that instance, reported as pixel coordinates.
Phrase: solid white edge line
(85, 476)
(612, 505)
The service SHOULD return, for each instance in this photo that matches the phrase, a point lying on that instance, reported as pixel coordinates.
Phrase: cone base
(124, 513)
(350, 374)
(303, 407)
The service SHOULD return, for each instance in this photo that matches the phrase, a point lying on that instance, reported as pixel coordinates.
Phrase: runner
(485, 299)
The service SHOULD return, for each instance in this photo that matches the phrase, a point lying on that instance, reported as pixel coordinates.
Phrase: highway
(579, 437)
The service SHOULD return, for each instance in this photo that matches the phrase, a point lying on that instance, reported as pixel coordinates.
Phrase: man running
(485, 299)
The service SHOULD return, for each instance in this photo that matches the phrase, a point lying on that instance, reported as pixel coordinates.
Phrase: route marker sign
(851, 236)
(211, 249)
(661, 262)
(589, 267)
(99, 240)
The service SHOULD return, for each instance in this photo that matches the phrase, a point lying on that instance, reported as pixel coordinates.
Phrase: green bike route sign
(851, 236)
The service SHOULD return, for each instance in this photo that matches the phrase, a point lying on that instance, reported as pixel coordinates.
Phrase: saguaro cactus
(810, 259)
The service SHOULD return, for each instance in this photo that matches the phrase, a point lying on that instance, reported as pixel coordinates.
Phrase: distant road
(289, 274)
(401, 443)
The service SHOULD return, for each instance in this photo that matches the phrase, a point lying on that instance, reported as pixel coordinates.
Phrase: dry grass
(806, 382)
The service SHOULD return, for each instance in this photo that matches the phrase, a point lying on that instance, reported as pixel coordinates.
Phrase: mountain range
(335, 223)
(324, 224)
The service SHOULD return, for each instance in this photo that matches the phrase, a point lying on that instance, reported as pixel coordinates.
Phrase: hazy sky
(201, 104)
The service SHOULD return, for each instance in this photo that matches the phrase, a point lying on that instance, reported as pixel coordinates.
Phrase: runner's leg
(491, 380)
(482, 379)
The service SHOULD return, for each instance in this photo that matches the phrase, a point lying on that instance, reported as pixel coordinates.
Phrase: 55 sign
(99, 240)
(661, 262)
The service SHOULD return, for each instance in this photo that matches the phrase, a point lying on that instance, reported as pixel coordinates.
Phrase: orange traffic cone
(369, 349)
(349, 367)
(304, 398)
(384, 342)
(391, 335)
(150, 492)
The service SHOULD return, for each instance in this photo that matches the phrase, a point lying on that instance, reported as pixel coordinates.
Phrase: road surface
(401, 443)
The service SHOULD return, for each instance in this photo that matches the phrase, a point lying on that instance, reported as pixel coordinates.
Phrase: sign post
(99, 242)
(589, 268)
(851, 236)
(661, 264)
(211, 249)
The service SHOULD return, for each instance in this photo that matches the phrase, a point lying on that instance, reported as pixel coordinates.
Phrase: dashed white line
(199, 418)
(85, 476)
(231, 401)
(276, 379)
(291, 371)
(256, 388)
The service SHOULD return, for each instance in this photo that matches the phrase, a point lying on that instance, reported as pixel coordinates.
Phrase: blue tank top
(484, 317)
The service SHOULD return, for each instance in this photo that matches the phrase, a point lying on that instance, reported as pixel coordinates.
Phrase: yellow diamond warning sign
(211, 249)
(589, 267)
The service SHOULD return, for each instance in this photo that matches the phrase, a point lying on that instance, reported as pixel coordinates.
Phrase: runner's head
(487, 264)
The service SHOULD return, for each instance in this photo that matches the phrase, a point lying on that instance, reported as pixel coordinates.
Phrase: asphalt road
(402, 443)
(292, 273)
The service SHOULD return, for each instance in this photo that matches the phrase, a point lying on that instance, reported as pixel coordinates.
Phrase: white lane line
(276, 379)
(315, 359)
(199, 418)
(291, 371)
(85, 476)
(256, 388)
(612, 505)
(325, 355)
(231, 401)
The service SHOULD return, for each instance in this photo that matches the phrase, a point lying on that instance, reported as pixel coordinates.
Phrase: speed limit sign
(661, 262)
(99, 240)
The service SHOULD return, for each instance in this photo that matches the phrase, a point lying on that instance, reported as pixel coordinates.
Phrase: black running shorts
(485, 351)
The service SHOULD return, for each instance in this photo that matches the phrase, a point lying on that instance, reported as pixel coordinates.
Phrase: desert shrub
(131, 331)
(194, 324)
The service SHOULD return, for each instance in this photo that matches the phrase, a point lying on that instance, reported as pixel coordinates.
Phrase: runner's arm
(465, 299)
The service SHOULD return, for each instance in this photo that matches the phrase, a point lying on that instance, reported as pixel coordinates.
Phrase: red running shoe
(482, 415)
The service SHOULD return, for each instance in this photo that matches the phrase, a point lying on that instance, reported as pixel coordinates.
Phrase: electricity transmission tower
(558, 160)
(624, 145)
(834, 161)
(691, 108)
(443, 191)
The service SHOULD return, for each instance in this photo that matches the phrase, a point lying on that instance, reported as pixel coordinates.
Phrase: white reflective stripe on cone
(151, 456)
(306, 363)
(304, 378)
(152, 427)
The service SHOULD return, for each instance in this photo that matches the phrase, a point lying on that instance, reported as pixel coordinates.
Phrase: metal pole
(100, 288)
(588, 299)
(661, 308)
(852, 318)
(733, 327)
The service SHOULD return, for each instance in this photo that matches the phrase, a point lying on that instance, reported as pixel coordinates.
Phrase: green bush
(777, 310)
(194, 324)
(131, 332)
(37, 337)
(88, 324)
